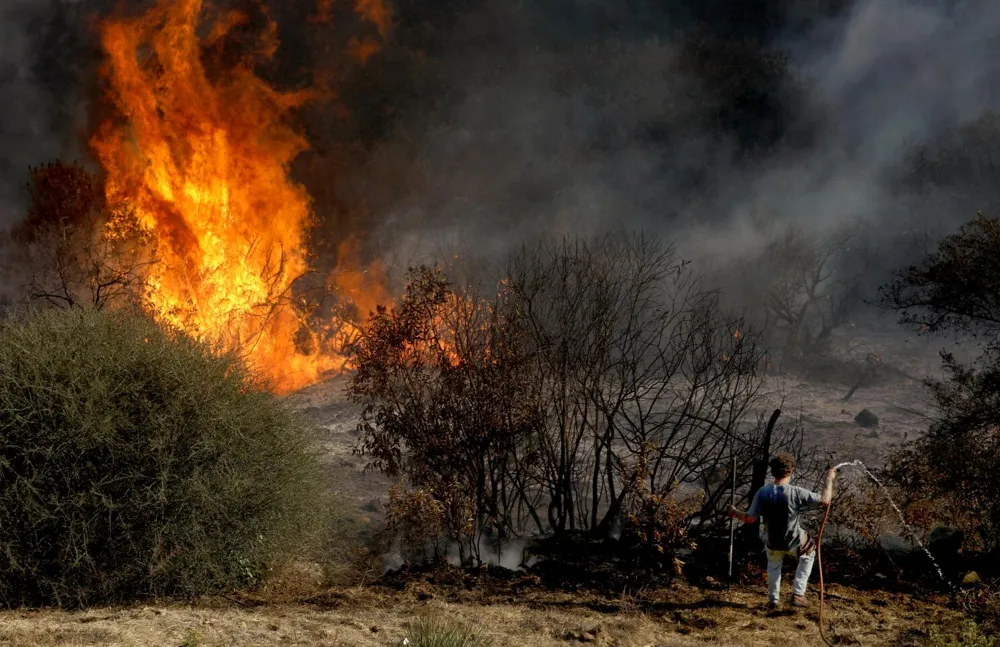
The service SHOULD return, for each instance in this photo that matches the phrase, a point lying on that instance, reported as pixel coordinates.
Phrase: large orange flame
(204, 161)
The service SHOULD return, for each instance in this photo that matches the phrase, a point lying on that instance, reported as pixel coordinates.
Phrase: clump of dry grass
(971, 635)
(429, 632)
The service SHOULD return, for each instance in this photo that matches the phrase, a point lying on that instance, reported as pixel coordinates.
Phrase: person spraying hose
(778, 505)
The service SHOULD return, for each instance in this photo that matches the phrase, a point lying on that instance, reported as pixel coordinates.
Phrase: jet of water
(902, 519)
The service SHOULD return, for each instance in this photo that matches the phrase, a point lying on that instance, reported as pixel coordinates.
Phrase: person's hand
(831, 474)
(731, 512)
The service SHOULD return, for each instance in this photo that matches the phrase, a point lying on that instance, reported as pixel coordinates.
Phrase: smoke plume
(485, 123)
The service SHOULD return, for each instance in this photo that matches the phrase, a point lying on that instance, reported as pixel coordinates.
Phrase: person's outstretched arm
(749, 516)
(742, 516)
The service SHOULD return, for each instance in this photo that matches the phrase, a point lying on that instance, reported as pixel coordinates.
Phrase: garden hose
(819, 559)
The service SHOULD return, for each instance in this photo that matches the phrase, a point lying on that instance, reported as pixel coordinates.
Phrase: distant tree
(747, 89)
(956, 289)
(73, 249)
(808, 287)
(960, 169)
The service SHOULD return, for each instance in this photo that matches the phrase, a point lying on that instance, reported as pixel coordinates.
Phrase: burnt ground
(512, 613)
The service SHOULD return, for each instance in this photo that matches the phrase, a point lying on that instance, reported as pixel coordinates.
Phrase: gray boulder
(866, 419)
(375, 506)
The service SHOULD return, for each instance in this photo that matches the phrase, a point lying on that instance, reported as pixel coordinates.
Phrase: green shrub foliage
(138, 462)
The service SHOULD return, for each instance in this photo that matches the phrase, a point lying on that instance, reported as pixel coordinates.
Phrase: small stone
(866, 419)
(971, 577)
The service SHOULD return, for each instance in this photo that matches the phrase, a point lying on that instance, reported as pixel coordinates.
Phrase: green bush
(971, 636)
(436, 633)
(137, 462)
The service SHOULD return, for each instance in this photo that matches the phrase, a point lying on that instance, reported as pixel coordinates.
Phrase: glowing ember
(204, 161)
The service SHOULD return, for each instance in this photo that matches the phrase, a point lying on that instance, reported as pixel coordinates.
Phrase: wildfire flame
(203, 161)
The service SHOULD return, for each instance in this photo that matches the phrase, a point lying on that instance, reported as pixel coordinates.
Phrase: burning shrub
(445, 402)
(138, 462)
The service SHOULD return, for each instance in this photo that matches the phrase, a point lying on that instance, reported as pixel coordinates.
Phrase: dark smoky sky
(484, 123)
(36, 125)
(584, 128)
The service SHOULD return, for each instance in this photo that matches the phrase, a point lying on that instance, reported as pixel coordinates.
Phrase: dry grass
(679, 616)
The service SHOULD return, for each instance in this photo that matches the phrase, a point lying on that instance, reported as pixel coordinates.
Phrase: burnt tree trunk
(760, 465)
(749, 536)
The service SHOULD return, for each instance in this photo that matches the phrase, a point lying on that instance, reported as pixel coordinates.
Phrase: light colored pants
(802, 572)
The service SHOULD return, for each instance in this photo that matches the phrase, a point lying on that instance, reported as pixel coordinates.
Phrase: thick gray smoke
(897, 71)
(595, 132)
(893, 74)
(513, 119)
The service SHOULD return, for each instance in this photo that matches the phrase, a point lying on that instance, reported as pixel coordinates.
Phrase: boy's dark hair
(782, 465)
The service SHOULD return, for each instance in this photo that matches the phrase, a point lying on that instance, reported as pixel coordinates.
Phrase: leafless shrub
(539, 398)
(809, 285)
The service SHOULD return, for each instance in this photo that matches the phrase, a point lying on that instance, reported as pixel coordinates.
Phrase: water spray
(902, 519)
